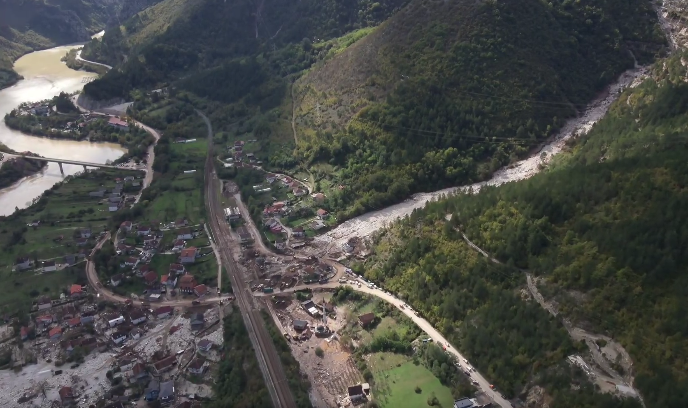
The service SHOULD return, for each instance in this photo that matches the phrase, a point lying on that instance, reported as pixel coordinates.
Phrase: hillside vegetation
(607, 231)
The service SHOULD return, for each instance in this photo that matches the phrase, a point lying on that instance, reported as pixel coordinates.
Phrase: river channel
(44, 77)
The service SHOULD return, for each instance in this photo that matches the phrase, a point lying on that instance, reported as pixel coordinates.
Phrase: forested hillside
(29, 25)
(607, 230)
(445, 93)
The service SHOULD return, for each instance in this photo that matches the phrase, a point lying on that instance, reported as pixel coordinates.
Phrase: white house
(137, 316)
(116, 321)
(197, 366)
(163, 312)
(119, 337)
(115, 280)
(49, 266)
(184, 233)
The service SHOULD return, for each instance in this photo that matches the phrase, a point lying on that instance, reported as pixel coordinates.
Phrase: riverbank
(15, 169)
(73, 61)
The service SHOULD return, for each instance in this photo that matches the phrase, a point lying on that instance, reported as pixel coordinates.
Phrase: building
(24, 333)
(178, 245)
(44, 321)
(244, 236)
(118, 337)
(22, 263)
(115, 280)
(188, 255)
(142, 230)
(164, 365)
(166, 394)
(73, 322)
(197, 321)
(185, 233)
(300, 325)
(69, 259)
(356, 394)
(318, 197)
(322, 214)
(85, 233)
(76, 290)
(187, 283)
(67, 397)
(464, 402)
(366, 319)
(137, 316)
(163, 312)
(204, 345)
(298, 232)
(44, 302)
(197, 366)
(232, 213)
(118, 123)
(49, 266)
(151, 278)
(131, 261)
(135, 333)
(298, 192)
(138, 372)
(55, 333)
(126, 226)
(116, 321)
(200, 290)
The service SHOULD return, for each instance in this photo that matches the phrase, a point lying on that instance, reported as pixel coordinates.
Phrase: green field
(396, 379)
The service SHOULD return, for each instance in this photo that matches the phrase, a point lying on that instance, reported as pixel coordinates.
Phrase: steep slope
(189, 37)
(606, 230)
(34, 24)
(446, 92)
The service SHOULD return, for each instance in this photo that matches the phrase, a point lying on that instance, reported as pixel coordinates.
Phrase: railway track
(266, 353)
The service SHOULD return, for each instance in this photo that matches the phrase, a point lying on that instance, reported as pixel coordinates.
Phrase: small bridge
(60, 162)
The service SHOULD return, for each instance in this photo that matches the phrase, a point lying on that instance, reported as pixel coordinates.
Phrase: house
(137, 316)
(49, 266)
(131, 261)
(464, 402)
(136, 333)
(122, 249)
(85, 233)
(142, 230)
(200, 290)
(55, 333)
(69, 259)
(116, 321)
(138, 372)
(118, 337)
(126, 226)
(356, 394)
(75, 290)
(118, 123)
(81, 241)
(298, 192)
(87, 318)
(163, 312)
(187, 283)
(204, 345)
(180, 222)
(150, 239)
(112, 207)
(300, 325)
(280, 244)
(34, 223)
(166, 394)
(322, 214)
(151, 278)
(232, 213)
(67, 396)
(188, 255)
(244, 236)
(44, 321)
(197, 366)
(298, 232)
(197, 321)
(143, 269)
(22, 263)
(69, 312)
(178, 245)
(98, 193)
(164, 365)
(24, 333)
(366, 319)
(44, 302)
(318, 197)
(270, 178)
(185, 233)
(177, 269)
(115, 280)
(73, 322)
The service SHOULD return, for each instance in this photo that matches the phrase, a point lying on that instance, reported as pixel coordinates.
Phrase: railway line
(266, 353)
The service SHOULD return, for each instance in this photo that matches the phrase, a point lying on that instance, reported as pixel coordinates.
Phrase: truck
(268, 290)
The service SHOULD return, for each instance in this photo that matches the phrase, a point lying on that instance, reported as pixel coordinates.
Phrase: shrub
(417, 390)
(319, 352)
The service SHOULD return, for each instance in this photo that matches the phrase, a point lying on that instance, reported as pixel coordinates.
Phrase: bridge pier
(84, 168)
(61, 169)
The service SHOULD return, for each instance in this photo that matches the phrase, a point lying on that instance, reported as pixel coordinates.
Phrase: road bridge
(60, 162)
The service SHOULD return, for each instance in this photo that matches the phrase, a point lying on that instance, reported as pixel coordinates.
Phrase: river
(44, 77)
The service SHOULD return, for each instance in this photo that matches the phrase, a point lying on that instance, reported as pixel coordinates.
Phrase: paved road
(266, 353)
(78, 57)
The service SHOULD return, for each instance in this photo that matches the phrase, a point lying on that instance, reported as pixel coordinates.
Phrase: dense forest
(606, 229)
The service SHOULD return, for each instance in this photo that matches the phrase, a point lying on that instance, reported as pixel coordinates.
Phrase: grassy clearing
(396, 387)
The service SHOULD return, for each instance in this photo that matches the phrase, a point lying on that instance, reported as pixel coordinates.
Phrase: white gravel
(367, 224)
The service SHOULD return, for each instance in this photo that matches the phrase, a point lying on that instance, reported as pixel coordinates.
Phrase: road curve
(78, 58)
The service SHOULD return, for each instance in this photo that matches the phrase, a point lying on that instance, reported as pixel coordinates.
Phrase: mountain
(29, 25)
(606, 232)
